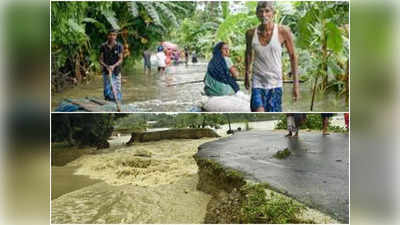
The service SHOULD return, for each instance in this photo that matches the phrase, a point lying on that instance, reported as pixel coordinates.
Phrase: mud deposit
(153, 182)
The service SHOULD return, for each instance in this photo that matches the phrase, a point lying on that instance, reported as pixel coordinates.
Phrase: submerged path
(154, 93)
(316, 172)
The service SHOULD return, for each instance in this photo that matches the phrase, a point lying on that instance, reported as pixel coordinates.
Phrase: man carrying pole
(111, 56)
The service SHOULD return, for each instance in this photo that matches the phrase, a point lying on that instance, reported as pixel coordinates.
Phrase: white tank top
(267, 65)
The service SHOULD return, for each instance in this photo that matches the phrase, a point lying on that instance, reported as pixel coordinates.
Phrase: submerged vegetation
(283, 154)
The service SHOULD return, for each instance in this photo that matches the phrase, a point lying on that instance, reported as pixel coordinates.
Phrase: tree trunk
(78, 74)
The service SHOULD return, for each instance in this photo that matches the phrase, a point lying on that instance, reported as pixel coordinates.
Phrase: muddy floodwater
(152, 182)
(154, 93)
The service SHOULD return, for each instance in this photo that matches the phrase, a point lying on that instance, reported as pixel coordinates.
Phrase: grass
(260, 208)
(283, 154)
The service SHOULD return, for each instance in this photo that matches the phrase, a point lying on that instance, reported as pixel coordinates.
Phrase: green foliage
(131, 123)
(273, 209)
(82, 129)
(79, 28)
(313, 122)
(283, 154)
(321, 28)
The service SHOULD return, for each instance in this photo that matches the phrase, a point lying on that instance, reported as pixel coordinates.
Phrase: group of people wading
(263, 51)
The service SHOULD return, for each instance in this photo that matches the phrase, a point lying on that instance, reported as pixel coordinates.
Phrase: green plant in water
(283, 154)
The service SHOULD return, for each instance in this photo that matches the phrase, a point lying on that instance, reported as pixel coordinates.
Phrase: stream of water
(155, 93)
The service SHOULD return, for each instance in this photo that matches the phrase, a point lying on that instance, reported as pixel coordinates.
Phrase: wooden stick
(313, 94)
(113, 91)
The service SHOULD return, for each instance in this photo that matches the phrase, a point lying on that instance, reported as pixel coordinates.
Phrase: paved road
(316, 173)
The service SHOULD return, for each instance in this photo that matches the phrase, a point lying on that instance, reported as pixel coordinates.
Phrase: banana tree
(319, 32)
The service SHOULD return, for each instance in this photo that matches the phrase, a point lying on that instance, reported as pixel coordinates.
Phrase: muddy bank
(184, 133)
(236, 199)
(151, 182)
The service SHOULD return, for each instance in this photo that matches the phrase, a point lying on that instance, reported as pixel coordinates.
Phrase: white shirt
(267, 66)
(161, 57)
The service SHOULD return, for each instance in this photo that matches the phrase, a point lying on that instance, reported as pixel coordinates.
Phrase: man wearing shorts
(266, 42)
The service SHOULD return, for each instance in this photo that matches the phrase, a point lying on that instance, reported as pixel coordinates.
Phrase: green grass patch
(283, 154)
(260, 208)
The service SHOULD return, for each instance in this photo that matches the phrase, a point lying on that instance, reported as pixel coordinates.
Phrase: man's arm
(289, 43)
(101, 60)
(248, 57)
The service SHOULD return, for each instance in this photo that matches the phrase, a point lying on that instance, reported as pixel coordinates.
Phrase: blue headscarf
(218, 69)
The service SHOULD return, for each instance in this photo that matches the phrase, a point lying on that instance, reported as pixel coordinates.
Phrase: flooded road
(154, 93)
(153, 182)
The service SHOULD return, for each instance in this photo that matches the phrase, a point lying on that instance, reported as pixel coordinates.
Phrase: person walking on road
(325, 122)
(161, 60)
(146, 60)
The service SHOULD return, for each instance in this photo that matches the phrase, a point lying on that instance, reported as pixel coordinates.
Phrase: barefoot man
(265, 43)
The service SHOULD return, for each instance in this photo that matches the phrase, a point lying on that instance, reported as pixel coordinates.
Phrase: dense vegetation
(79, 28)
(82, 129)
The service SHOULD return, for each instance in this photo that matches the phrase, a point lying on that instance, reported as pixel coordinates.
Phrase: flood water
(154, 93)
(64, 181)
(152, 182)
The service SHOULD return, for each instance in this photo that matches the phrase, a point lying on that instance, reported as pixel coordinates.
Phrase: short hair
(112, 31)
(265, 4)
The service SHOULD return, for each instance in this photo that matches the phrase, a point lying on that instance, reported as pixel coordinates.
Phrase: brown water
(153, 93)
(153, 182)
(64, 181)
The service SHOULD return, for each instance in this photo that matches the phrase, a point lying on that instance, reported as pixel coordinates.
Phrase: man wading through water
(266, 41)
(111, 59)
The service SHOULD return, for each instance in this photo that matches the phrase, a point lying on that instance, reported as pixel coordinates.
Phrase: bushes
(82, 129)
(313, 122)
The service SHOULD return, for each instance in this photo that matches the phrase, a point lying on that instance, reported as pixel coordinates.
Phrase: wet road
(316, 173)
(154, 93)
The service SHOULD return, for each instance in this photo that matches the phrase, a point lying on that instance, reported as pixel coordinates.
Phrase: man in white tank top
(265, 42)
